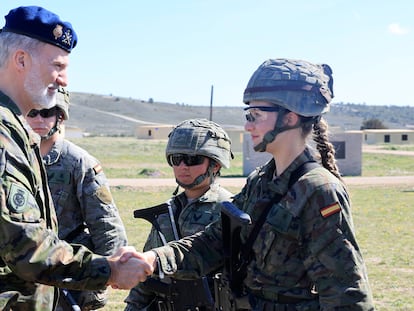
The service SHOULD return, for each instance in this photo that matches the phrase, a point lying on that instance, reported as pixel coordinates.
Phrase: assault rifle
(173, 294)
(69, 302)
(228, 285)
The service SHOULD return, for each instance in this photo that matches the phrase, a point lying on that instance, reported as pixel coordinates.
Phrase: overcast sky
(175, 50)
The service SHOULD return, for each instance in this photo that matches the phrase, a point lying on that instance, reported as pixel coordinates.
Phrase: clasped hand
(128, 268)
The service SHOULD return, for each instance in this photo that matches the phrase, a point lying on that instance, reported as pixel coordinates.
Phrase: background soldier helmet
(62, 102)
(296, 85)
(201, 137)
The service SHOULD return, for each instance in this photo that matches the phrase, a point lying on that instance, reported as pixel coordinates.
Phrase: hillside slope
(117, 116)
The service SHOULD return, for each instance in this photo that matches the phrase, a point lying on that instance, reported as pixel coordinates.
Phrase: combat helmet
(62, 102)
(296, 85)
(200, 137)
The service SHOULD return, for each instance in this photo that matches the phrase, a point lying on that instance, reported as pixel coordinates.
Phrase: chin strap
(53, 130)
(200, 178)
(271, 135)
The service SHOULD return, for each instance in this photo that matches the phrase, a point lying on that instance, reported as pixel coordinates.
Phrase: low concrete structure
(389, 136)
(161, 131)
(348, 147)
(154, 131)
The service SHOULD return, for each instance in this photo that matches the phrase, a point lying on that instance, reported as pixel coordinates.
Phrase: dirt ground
(239, 182)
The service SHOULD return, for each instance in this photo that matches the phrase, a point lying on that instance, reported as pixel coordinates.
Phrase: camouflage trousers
(85, 300)
(266, 305)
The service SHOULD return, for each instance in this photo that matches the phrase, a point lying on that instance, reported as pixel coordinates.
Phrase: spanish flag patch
(97, 168)
(330, 210)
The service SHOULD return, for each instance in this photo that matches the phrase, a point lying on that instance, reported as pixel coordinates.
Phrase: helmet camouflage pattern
(200, 137)
(62, 102)
(296, 85)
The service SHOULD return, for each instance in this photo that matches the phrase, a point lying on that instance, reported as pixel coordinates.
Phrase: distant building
(348, 148)
(161, 131)
(72, 132)
(389, 136)
(154, 131)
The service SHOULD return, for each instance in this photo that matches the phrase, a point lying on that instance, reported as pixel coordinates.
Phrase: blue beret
(41, 24)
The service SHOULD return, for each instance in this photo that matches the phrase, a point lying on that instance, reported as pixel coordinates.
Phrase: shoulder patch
(98, 169)
(104, 195)
(18, 197)
(330, 210)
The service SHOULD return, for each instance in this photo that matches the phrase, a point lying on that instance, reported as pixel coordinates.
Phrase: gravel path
(239, 182)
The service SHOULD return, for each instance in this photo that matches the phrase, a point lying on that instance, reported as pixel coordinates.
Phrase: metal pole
(211, 103)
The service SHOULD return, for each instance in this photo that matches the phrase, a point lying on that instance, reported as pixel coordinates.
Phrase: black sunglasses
(44, 113)
(189, 160)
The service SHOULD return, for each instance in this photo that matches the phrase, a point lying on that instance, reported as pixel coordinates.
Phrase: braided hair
(325, 147)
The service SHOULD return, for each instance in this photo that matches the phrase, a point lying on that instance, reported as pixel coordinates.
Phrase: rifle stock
(71, 303)
(228, 285)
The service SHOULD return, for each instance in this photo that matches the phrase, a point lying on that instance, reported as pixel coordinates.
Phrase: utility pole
(211, 103)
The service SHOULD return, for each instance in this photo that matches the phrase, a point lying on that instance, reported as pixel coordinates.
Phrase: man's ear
(20, 60)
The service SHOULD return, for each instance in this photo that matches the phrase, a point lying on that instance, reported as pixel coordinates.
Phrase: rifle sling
(296, 174)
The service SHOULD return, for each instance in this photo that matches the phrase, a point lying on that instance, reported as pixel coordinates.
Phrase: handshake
(129, 267)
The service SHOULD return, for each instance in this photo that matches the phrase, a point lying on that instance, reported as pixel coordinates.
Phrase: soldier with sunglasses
(197, 149)
(84, 206)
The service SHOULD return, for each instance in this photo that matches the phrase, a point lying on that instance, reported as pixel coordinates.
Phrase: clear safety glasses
(259, 113)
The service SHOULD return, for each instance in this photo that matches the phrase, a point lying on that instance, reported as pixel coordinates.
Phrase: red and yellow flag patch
(330, 210)
(97, 168)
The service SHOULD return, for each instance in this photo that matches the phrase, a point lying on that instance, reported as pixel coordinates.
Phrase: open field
(382, 213)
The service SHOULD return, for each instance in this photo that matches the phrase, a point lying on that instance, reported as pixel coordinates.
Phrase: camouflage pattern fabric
(306, 246)
(33, 260)
(191, 217)
(85, 209)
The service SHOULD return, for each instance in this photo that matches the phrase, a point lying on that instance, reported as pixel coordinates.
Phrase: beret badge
(58, 31)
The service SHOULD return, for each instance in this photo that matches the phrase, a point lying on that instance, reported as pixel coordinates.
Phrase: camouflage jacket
(190, 217)
(306, 244)
(85, 209)
(32, 258)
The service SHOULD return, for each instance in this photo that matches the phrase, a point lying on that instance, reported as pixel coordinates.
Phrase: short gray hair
(10, 42)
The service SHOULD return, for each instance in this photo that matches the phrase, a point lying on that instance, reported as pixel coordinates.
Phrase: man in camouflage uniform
(85, 209)
(305, 255)
(196, 150)
(34, 52)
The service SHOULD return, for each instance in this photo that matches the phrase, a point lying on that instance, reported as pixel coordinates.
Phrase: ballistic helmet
(62, 102)
(200, 137)
(296, 85)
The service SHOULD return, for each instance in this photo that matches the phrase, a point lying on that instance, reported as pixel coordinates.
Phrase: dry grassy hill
(117, 116)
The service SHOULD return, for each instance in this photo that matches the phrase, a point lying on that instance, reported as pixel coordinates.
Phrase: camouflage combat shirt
(306, 245)
(85, 209)
(32, 258)
(190, 217)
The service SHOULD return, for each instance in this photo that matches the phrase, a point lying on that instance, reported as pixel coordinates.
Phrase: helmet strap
(279, 128)
(54, 129)
(200, 178)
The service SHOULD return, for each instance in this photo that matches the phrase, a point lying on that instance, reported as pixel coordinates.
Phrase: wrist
(156, 264)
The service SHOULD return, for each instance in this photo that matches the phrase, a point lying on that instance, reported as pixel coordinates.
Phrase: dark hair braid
(325, 148)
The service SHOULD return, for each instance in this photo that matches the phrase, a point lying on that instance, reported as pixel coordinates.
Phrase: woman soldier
(305, 255)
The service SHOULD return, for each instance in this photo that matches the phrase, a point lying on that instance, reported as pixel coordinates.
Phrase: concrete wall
(161, 131)
(348, 146)
(389, 136)
(158, 131)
